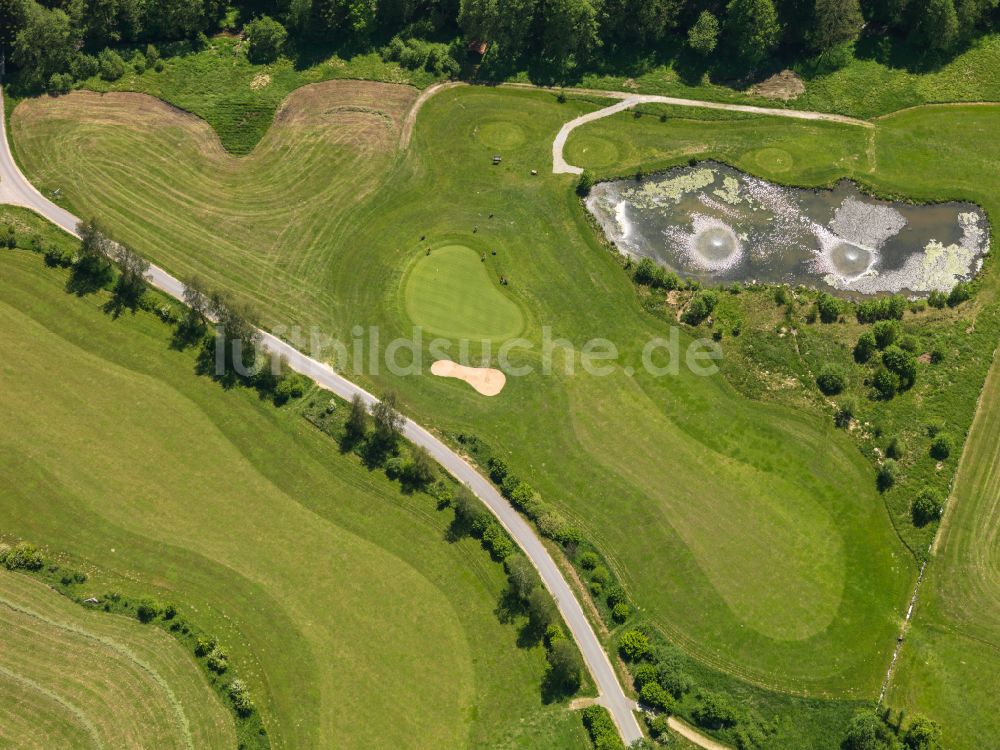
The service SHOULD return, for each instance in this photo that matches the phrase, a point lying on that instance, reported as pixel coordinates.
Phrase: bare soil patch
(785, 86)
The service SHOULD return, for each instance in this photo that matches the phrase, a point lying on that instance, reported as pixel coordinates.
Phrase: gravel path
(560, 166)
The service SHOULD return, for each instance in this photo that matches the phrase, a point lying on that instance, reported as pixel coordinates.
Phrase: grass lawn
(352, 619)
(949, 663)
(450, 293)
(750, 534)
(73, 678)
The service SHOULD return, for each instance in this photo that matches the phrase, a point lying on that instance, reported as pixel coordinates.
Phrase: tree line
(67, 37)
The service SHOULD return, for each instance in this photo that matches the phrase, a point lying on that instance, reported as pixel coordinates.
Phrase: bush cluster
(415, 54)
(22, 556)
(656, 276)
(601, 728)
(700, 306)
(523, 496)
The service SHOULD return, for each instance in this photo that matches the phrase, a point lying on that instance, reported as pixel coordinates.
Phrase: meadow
(949, 662)
(750, 533)
(352, 619)
(73, 678)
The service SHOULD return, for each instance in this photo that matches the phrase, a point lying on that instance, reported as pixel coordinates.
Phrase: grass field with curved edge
(950, 660)
(750, 533)
(450, 293)
(353, 620)
(73, 678)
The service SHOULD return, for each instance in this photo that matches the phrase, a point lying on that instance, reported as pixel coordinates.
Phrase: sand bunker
(486, 380)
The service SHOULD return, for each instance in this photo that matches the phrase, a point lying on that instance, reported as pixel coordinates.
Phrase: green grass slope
(949, 663)
(353, 621)
(751, 535)
(72, 678)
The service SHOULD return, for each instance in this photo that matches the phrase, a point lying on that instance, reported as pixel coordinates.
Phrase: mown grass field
(73, 678)
(751, 534)
(949, 663)
(353, 620)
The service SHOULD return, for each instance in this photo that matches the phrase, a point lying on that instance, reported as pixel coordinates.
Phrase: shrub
(601, 728)
(147, 609)
(832, 380)
(565, 665)
(643, 673)
(959, 294)
(937, 355)
(828, 308)
(495, 539)
(845, 413)
(110, 65)
(8, 237)
(670, 675)
(23, 556)
(923, 734)
(926, 507)
(941, 447)
(204, 645)
(619, 613)
(653, 694)
(509, 485)
(588, 560)
(886, 476)
(83, 66)
(782, 296)
(218, 660)
(419, 470)
(894, 449)
(885, 332)
(700, 307)
(633, 644)
(909, 343)
(901, 363)
(265, 38)
(884, 308)
(616, 596)
(498, 469)
(658, 726)
(715, 711)
(937, 299)
(60, 83)
(152, 54)
(601, 575)
(886, 383)
(865, 348)
(289, 387)
(139, 62)
(239, 694)
(394, 467)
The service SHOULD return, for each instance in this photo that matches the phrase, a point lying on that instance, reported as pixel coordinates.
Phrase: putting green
(772, 159)
(449, 293)
(594, 151)
(500, 134)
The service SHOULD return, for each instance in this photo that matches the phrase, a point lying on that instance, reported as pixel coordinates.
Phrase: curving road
(15, 189)
(560, 166)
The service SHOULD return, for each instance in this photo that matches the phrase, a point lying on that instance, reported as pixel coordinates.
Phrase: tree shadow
(187, 334)
(83, 280)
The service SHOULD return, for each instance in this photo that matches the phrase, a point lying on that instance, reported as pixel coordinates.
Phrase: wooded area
(68, 38)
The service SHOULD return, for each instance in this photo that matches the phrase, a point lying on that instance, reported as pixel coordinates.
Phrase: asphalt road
(15, 189)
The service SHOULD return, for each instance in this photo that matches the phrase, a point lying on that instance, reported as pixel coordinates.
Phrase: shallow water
(716, 224)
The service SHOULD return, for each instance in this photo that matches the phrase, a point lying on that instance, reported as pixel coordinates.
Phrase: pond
(716, 224)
